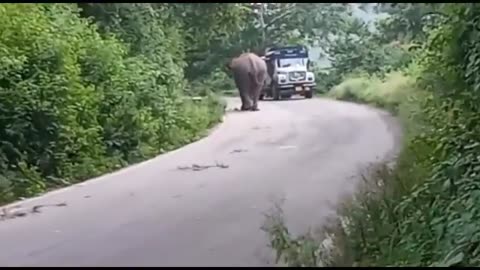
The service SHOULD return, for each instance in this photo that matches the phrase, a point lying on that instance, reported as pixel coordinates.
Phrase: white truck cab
(288, 73)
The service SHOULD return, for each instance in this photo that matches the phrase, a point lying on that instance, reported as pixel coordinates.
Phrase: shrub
(75, 104)
(217, 82)
(387, 93)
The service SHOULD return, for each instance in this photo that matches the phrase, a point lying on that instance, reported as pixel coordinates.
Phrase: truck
(288, 73)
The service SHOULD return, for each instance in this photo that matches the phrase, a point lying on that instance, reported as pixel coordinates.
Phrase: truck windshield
(288, 62)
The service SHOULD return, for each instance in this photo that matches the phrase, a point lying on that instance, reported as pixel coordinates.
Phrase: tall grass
(387, 93)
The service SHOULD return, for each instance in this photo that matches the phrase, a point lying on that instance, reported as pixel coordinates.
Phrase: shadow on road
(287, 99)
(237, 109)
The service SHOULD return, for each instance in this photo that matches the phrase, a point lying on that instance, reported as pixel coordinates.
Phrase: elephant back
(252, 65)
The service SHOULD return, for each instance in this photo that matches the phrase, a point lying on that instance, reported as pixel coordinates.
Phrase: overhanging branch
(281, 16)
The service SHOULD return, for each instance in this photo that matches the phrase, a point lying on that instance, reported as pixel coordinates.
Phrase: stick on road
(203, 205)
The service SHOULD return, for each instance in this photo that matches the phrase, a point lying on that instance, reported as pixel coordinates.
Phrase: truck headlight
(310, 77)
(282, 78)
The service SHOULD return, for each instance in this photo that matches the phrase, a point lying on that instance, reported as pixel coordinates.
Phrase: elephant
(249, 72)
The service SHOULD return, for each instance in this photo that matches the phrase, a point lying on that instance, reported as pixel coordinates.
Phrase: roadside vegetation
(423, 211)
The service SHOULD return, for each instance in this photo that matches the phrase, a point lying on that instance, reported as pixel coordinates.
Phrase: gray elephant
(249, 72)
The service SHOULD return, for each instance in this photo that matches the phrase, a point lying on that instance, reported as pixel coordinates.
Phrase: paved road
(153, 214)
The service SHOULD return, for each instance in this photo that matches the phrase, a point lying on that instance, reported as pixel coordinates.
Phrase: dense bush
(388, 92)
(432, 217)
(75, 104)
(365, 56)
(218, 82)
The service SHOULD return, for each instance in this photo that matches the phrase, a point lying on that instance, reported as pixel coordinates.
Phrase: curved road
(155, 214)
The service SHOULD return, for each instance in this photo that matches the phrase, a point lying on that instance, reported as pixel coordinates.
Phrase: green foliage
(387, 93)
(207, 50)
(438, 219)
(264, 25)
(217, 82)
(326, 79)
(75, 104)
(407, 21)
(356, 48)
(296, 252)
(426, 210)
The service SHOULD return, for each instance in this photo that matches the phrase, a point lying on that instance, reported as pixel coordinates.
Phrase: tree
(406, 21)
(210, 30)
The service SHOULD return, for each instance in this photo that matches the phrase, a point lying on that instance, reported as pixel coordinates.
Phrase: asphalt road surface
(161, 213)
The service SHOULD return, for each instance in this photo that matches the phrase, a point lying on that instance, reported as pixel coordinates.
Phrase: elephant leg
(255, 95)
(244, 98)
(256, 90)
(246, 107)
(243, 90)
(248, 103)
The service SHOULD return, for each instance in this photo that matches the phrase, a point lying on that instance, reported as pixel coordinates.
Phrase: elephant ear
(228, 64)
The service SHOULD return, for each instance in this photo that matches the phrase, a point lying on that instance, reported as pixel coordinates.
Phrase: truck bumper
(299, 88)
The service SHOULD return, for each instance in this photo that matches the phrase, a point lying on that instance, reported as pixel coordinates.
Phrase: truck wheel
(261, 96)
(276, 93)
(309, 94)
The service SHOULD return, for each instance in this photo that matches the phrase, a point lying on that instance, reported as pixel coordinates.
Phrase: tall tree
(406, 21)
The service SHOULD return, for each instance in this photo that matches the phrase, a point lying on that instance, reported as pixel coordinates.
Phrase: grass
(386, 93)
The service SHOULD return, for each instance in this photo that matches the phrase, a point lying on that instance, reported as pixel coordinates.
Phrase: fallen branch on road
(17, 211)
(196, 167)
(239, 151)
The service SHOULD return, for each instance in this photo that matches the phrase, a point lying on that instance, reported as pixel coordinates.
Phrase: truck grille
(297, 76)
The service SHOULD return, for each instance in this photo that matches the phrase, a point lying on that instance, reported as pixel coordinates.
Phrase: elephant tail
(254, 73)
(253, 77)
